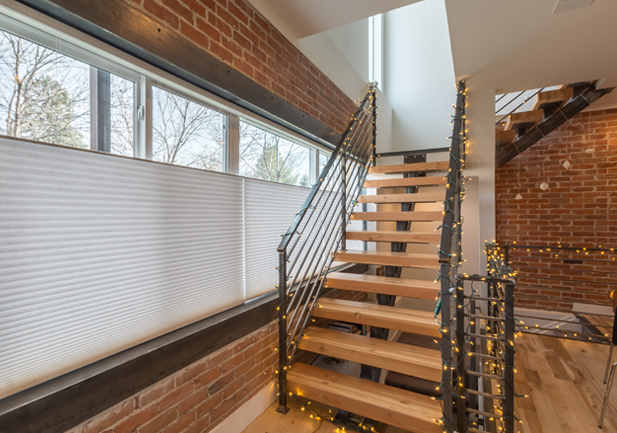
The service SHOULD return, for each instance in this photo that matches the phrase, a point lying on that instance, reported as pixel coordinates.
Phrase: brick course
(578, 209)
(235, 33)
(199, 396)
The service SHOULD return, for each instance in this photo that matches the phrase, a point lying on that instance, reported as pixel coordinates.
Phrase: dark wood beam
(122, 26)
(575, 106)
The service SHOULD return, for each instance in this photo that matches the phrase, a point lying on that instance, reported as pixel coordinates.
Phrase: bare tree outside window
(264, 155)
(44, 95)
(122, 116)
(187, 133)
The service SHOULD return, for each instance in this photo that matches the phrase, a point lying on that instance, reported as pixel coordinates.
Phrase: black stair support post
(370, 372)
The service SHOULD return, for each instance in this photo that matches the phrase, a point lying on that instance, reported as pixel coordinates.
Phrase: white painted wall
(419, 75)
(332, 61)
(479, 207)
(352, 40)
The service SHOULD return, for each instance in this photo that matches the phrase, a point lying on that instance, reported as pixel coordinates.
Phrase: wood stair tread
(410, 288)
(553, 96)
(398, 216)
(417, 197)
(389, 258)
(533, 117)
(382, 316)
(405, 181)
(408, 168)
(404, 409)
(393, 236)
(504, 136)
(403, 358)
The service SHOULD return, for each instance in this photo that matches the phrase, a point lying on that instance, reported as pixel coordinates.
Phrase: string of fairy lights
(452, 206)
(497, 264)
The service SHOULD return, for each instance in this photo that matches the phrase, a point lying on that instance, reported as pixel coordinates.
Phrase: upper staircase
(519, 130)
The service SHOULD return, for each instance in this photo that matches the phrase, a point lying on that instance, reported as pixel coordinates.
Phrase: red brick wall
(234, 32)
(198, 397)
(578, 209)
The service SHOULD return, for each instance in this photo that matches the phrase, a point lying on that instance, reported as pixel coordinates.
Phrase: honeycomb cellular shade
(100, 253)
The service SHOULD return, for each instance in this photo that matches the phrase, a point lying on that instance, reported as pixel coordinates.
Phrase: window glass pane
(122, 115)
(264, 155)
(186, 133)
(323, 159)
(44, 95)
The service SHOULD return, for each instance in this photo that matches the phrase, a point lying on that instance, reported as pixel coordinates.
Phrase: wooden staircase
(550, 110)
(404, 409)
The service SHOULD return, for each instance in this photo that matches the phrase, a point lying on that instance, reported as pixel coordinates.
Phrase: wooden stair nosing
(405, 182)
(418, 197)
(388, 258)
(417, 289)
(393, 236)
(408, 168)
(398, 216)
(382, 316)
(533, 117)
(392, 356)
(562, 95)
(404, 409)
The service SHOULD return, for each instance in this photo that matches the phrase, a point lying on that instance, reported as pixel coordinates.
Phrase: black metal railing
(307, 250)
(450, 254)
(483, 366)
(512, 102)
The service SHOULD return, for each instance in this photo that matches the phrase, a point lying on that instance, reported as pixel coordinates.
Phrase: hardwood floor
(563, 379)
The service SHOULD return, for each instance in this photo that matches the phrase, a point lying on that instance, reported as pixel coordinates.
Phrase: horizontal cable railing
(308, 248)
(513, 102)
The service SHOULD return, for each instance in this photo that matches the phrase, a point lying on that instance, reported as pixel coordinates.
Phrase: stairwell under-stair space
(318, 237)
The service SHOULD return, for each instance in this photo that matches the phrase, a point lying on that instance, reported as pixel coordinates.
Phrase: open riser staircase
(413, 204)
(404, 409)
(520, 129)
(415, 207)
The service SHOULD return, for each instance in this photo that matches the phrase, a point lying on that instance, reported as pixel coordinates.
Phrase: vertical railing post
(282, 332)
(506, 255)
(508, 412)
(344, 198)
(374, 144)
(446, 348)
(461, 372)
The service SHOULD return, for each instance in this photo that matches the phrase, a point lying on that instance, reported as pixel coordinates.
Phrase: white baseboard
(248, 412)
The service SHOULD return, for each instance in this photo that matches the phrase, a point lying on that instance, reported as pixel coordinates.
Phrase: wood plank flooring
(563, 379)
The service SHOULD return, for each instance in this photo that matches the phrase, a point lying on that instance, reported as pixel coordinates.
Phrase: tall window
(268, 156)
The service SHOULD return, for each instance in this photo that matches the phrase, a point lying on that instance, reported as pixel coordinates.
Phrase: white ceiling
(297, 19)
(521, 44)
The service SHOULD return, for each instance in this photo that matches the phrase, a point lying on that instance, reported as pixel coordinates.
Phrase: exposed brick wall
(234, 32)
(198, 397)
(578, 209)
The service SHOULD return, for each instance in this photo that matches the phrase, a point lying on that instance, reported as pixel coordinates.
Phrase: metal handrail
(307, 249)
(518, 106)
(450, 255)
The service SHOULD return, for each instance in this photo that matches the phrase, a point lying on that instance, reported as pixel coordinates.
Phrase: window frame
(46, 31)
